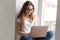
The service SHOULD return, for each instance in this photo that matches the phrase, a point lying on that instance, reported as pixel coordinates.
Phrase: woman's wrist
(20, 32)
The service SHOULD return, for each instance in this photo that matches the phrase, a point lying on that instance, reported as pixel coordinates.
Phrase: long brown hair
(22, 11)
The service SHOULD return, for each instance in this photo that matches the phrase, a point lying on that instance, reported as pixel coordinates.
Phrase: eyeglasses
(29, 9)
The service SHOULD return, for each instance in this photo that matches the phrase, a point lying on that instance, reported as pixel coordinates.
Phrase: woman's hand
(20, 32)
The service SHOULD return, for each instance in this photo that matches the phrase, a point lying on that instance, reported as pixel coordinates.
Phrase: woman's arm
(17, 24)
(20, 32)
(18, 28)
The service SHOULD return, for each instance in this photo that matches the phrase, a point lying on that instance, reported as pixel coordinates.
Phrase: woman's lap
(48, 37)
(25, 37)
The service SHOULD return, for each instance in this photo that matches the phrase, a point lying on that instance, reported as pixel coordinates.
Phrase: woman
(25, 20)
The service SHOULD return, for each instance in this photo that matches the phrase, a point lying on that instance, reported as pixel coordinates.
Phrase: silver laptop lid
(39, 31)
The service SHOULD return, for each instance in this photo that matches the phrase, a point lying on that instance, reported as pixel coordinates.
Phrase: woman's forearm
(20, 32)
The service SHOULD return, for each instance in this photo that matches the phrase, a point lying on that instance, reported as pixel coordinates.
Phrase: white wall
(58, 22)
(7, 19)
(19, 4)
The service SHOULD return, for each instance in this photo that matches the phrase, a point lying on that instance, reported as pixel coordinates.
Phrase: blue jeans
(48, 37)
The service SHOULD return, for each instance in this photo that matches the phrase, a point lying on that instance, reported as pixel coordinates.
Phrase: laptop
(39, 31)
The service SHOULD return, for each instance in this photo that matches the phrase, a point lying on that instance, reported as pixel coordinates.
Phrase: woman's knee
(25, 37)
(50, 34)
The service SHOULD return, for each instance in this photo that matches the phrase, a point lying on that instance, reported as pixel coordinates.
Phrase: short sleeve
(18, 20)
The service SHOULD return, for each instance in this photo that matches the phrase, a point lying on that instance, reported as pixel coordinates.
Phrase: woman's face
(29, 10)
